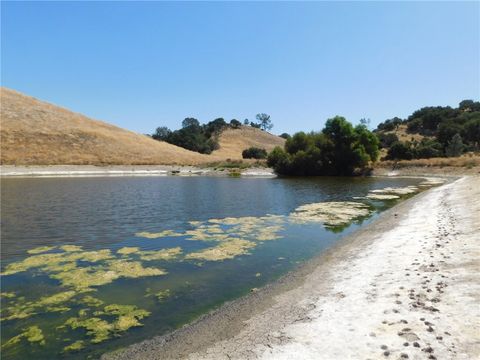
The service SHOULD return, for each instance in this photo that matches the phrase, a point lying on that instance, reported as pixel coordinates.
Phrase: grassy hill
(233, 141)
(33, 132)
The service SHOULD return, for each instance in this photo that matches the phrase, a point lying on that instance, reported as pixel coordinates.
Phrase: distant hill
(233, 141)
(33, 132)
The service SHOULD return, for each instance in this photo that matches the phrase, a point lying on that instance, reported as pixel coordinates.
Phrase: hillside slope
(233, 141)
(33, 132)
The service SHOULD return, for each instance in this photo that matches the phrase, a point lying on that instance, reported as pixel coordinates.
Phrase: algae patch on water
(99, 329)
(223, 251)
(164, 254)
(32, 334)
(330, 213)
(166, 233)
(76, 346)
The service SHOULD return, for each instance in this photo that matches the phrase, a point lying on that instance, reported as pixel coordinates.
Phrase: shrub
(254, 153)
(339, 149)
(400, 151)
(235, 124)
(455, 147)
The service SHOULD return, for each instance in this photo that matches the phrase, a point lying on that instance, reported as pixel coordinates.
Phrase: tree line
(447, 132)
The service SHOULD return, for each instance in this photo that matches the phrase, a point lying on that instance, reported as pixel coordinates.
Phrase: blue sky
(140, 65)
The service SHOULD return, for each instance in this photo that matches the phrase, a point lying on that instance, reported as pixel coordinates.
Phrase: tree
(235, 124)
(190, 123)
(285, 136)
(264, 121)
(162, 133)
(365, 122)
(339, 149)
(254, 153)
(400, 151)
(246, 122)
(455, 146)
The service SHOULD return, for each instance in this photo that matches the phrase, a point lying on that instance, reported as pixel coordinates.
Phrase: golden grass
(469, 160)
(234, 141)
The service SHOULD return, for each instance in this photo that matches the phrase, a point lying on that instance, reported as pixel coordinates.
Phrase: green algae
(71, 248)
(128, 250)
(41, 249)
(159, 295)
(99, 329)
(22, 309)
(91, 301)
(164, 254)
(32, 334)
(330, 213)
(127, 316)
(7, 295)
(166, 233)
(83, 279)
(76, 346)
(55, 261)
(225, 250)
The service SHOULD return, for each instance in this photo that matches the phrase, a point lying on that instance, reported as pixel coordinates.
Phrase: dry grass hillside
(233, 141)
(33, 132)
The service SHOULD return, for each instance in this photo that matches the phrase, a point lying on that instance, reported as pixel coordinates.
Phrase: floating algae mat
(92, 265)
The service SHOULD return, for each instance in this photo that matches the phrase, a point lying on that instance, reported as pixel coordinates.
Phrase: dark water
(106, 213)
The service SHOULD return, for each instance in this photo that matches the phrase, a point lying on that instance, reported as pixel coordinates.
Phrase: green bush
(400, 151)
(254, 153)
(339, 149)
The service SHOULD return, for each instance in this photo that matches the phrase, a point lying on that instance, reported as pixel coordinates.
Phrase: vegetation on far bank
(430, 132)
(203, 138)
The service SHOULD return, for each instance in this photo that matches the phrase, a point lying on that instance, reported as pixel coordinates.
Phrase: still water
(149, 254)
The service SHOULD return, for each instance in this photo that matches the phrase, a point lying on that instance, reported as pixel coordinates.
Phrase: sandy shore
(405, 287)
(123, 170)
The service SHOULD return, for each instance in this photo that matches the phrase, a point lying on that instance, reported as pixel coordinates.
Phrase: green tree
(455, 146)
(254, 153)
(264, 121)
(162, 133)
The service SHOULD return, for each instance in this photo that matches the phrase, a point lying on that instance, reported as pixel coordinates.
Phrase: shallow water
(228, 236)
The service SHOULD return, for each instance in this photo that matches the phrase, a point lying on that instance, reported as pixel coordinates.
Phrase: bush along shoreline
(339, 149)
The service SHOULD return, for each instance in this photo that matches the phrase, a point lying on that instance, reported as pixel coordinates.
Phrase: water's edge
(228, 319)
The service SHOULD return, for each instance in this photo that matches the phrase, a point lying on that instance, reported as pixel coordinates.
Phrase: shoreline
(38, 171)
(339, 295)
(66, 171)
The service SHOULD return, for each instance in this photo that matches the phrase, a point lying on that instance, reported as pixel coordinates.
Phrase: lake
(90, 265)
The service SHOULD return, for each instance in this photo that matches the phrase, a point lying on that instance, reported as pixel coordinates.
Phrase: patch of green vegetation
(76, 346)
(91, 301)
(41, 249)
(32, 334)
(7, 295)
(71, 248)
(330, 213)
(164, 254)
(22, 309)
(166, 233)
(225, 250)
(100, 330)
(160, 295)
(128, 250)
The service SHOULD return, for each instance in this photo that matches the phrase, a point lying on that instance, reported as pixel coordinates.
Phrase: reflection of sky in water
(189, 255)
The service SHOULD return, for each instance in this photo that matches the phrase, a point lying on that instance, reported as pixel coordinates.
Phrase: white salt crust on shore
(413, 293)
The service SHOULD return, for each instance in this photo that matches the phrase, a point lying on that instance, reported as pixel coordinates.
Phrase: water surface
(121, 223)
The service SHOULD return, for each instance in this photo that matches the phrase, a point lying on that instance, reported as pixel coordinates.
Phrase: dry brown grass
(234, 141)
(468, 160)
(403, 136)
(34, 132)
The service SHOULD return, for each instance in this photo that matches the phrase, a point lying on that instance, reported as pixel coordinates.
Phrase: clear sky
(140, 65)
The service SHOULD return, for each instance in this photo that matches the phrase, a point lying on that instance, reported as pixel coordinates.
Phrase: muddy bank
(406, 286)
